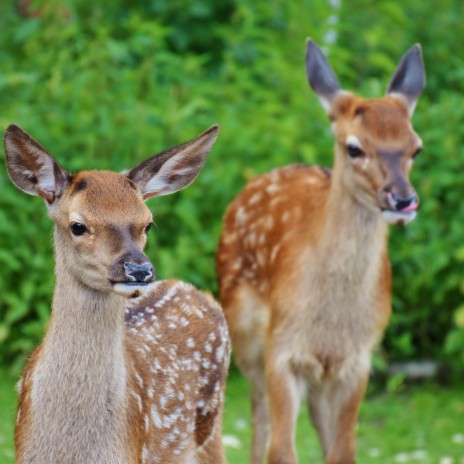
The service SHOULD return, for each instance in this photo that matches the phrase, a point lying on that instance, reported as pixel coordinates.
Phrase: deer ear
(31, 168)
(173, 169)
(409, 79)
(321, 76)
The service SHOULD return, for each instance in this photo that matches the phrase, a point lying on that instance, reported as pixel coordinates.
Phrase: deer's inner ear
(31, 168)
(174, 169)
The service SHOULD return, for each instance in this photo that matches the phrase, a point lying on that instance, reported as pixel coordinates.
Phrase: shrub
(106, 85)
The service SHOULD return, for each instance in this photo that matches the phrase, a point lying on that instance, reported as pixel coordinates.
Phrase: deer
(131, 370)
(303, 269)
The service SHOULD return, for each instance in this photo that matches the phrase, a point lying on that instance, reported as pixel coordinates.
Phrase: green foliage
(106, 84)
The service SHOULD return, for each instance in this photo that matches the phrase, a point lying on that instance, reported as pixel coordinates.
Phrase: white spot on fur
(139, 378)
(147, 422)
(144, 454)
(155, 417)
(251, 239)
(241, 216)
(256, 198)
(272, 188)
(274, 252)
(220, 354)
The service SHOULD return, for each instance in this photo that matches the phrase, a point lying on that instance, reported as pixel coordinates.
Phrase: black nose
(138, 272)
(403, 202)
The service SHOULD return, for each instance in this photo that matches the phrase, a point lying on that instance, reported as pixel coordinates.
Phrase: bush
(106, 86)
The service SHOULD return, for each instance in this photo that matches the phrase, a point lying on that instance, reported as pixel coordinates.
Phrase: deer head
(375, 142)
(101, 220)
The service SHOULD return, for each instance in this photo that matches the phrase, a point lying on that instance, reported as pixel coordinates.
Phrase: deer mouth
(131, 289)
(398, 218)
(399, 212)
(130, 283)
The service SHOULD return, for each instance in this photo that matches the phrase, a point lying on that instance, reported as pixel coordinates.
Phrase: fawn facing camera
(118, 379)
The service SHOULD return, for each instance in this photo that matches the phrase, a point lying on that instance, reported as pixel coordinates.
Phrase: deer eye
(416, 153)
(78, 229)
(354, 151)
(147, 229)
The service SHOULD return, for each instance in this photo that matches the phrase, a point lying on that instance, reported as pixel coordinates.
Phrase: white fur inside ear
(45, 175)
(327, 101)
(174, 169)
(410, 102)
(175, 174)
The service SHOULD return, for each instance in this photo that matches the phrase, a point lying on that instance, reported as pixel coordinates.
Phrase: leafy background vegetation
(106, 84)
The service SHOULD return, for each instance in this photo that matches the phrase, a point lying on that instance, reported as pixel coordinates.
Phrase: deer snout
(402, 203)
(140, 273)
(399, 206)
(132, 268)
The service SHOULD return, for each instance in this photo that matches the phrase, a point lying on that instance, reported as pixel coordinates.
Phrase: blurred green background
(106, 84)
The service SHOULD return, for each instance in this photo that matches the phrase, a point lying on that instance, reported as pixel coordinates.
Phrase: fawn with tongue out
(303, 267)
(118, 379)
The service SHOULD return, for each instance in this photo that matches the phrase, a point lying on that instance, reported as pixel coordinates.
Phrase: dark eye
(147, 229)
(416, 154)
(78, 229)
(354, 151)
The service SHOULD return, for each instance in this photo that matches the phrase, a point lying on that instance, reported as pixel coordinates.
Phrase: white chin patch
(397, 218)
(132, 291)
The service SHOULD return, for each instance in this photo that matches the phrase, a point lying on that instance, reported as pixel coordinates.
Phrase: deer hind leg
(260, 425)
(320, 413)
(335, 410)
(213, 451)
(284, 402)
(248, 340)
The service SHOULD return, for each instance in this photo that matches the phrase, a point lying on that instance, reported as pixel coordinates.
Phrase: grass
(421, 425)
(7, 417)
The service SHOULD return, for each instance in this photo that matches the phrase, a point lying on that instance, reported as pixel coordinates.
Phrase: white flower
(446, 460)
(241, 424)
(231, 441)
(402, 457)
(419, 454)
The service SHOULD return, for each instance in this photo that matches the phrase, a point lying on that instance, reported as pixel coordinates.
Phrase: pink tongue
(411, 207)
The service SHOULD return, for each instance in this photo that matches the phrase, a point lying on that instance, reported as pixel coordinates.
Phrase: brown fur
(305, 278)
(128, 372)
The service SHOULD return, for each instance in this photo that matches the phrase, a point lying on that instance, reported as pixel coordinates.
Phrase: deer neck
(86, 332)
(353, 236)
(79, 382)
